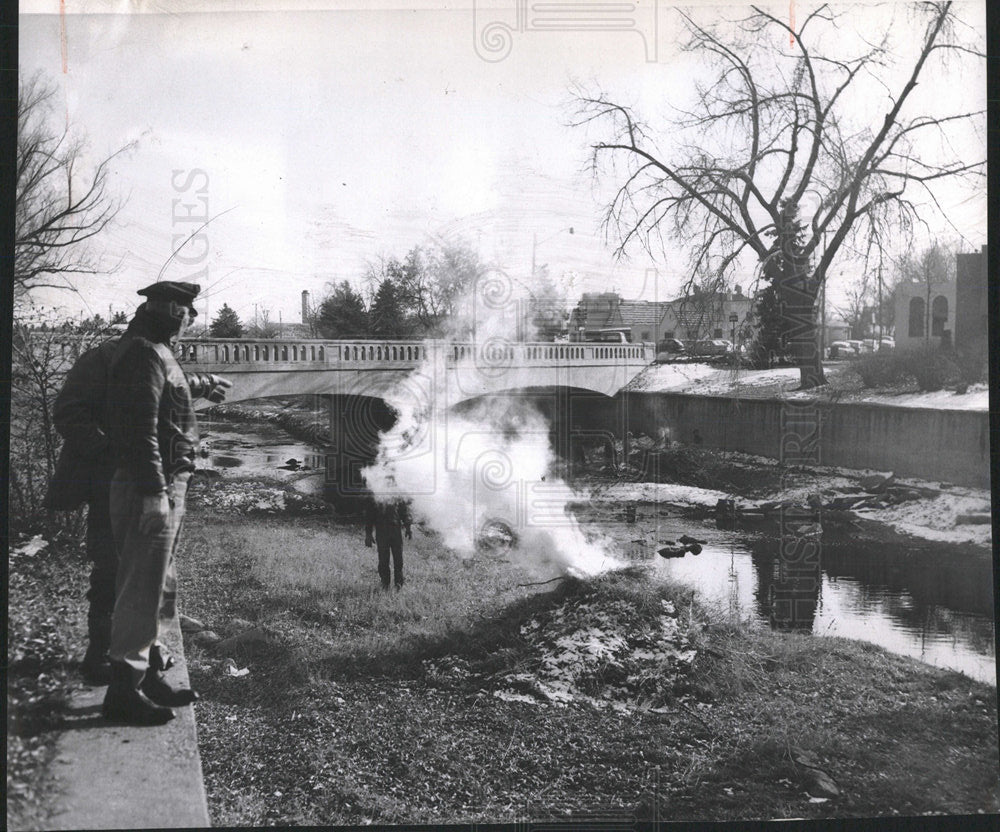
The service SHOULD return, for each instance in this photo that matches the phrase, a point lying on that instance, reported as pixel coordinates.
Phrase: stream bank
(480, 694)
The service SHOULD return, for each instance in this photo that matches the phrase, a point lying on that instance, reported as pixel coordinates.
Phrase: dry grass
(321, 571)
(339, 722)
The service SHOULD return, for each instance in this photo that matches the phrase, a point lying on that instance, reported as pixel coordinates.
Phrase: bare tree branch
(55, 213)
(775, 127)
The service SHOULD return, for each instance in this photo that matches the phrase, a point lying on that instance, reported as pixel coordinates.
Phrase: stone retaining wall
(950, 445)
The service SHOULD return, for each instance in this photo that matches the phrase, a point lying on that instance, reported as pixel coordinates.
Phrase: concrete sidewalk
(123, 777)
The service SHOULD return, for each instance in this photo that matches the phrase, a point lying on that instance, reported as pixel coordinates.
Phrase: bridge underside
(437, 386)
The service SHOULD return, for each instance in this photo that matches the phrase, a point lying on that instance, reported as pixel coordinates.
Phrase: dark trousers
(103, 568)
(390, 541)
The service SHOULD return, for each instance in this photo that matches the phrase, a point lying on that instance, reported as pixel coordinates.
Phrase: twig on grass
(540, 583)
(509, 745)
(695, 715)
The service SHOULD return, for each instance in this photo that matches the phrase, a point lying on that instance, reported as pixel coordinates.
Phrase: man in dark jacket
(154, 436)
(83, 475)
(388, 520)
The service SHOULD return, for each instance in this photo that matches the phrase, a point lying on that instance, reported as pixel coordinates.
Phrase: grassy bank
(46, 633)
(478, 693)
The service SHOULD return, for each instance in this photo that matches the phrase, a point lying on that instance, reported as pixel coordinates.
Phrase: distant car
(713, 346)
(841, 349)
(859, 347)
(610, 336)
(668, 349)
(874, 345)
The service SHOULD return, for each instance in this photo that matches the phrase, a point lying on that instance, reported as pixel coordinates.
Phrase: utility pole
(822, 325)
(880, 310)
(927, 306)
(534, 245)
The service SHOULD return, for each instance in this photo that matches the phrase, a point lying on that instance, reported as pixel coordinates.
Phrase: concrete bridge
(568, 382)
(459, 371)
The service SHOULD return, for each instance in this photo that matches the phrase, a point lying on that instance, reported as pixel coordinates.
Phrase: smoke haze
(487, 463)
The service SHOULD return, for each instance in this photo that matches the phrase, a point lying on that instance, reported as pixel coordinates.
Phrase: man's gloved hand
(218, 389)
(155, 513)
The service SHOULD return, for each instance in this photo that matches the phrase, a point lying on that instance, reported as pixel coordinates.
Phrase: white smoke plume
(489, 463)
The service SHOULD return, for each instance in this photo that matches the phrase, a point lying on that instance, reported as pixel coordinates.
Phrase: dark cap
(172, 290)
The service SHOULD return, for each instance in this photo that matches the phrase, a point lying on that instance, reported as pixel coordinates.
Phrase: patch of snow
(32, 547)
(708, 380)
(660, 377)
(934, 518)
(820, 483)
(977, 398)
(510, 696)
(658, 492)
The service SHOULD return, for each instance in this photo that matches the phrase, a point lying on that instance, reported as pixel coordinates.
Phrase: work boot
(124, 702)
(96, 666)
(156, 686)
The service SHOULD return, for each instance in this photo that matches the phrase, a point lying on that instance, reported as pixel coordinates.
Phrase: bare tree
(857, 306)
(775, 132)
(266, 328)
(933, 267)
(57, 210)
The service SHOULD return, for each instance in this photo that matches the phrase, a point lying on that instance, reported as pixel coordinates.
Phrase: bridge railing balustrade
(399, 353)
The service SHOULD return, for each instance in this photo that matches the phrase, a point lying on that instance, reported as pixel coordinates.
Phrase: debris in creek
(874, 492)
(680, 547)
(293, 465)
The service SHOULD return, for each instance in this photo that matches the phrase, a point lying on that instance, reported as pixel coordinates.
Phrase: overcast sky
(331, 138)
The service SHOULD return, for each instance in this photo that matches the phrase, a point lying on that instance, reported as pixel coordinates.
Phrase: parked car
(610, 336)
(873, 344)
(713, 346)
(858, 346)
(668, 349)
(841, 349)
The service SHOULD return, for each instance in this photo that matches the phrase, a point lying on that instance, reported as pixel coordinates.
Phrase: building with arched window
(952, 312)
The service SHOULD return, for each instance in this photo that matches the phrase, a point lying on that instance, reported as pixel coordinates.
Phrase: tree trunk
(811, 373)
(798, 294)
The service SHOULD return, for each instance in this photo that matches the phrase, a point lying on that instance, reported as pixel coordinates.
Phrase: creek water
(260, 449)
(932, 602)
(929, 601)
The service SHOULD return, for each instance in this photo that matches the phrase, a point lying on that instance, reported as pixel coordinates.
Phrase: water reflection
(933, 603)
(789, 583)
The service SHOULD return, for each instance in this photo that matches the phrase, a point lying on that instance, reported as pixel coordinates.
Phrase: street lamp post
(534, 245)
(733, 318)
